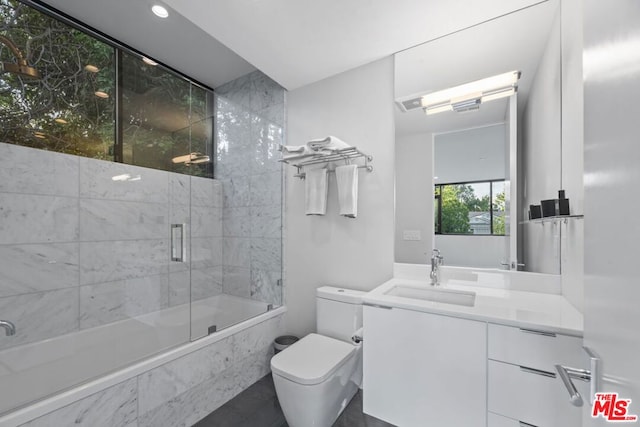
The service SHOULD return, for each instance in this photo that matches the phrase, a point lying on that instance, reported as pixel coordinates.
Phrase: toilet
(316, 377)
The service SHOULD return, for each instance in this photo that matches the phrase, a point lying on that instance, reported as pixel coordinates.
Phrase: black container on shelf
(563, 203)
(550, 207)
(535, 212)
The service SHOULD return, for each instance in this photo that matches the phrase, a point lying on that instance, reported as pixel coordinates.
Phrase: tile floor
(258, 406)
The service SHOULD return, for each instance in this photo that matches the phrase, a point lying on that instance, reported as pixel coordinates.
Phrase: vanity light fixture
(91, 68)
(61, 121)
(160, 11)
(149, 61)
(101, 94)
(469, 96)
(192, 159)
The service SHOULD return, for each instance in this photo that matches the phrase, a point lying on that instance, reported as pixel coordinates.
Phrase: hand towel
(329, 143)
(315, 191)
(347, 180)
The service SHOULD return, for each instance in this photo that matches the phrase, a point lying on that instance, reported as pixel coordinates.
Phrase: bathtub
(83, 362)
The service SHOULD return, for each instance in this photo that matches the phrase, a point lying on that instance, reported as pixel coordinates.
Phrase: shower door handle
(178, 246)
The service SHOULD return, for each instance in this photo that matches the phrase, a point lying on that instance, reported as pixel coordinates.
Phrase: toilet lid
(312, 359)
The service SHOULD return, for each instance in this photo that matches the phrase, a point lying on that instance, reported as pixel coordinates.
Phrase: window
(96, 99)
(470, 208)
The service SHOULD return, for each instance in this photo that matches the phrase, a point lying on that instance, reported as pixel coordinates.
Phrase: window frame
(438, 197)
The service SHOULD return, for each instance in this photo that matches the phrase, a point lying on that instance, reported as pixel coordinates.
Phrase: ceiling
(295, 42)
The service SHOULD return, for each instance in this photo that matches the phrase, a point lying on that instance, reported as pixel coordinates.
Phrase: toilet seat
(312, 360)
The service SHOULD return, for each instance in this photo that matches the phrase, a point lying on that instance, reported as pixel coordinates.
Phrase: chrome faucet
(9, 328)
(436, 262)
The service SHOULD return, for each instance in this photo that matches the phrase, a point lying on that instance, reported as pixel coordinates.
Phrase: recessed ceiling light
(91, 68)
(101, 94)
(61, 121)
(149, 61)
(160, 11)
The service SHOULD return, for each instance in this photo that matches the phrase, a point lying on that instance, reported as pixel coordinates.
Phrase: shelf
(553, 219)
(345, 154)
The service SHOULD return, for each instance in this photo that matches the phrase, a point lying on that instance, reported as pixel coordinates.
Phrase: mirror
(510, 146)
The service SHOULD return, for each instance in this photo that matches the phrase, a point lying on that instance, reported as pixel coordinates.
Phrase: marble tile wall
(85, 242)
(250, 121)
(181, 392)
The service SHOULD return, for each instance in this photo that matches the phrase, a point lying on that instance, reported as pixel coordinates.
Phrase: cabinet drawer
(535, 349)
(494, 420)
(542, 400)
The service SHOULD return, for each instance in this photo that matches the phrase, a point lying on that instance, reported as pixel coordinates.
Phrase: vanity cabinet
(423, 369)
(524, 388)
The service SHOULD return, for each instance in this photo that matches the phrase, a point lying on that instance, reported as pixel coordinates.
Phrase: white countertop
(536, 310)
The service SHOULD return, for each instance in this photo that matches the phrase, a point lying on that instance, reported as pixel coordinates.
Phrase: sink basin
(446, 296)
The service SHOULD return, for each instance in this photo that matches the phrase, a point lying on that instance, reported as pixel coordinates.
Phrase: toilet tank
(338, 312)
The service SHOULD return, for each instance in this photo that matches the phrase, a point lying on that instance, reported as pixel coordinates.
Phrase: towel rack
(344, 154)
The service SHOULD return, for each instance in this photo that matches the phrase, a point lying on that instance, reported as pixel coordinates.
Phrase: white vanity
(431, 358)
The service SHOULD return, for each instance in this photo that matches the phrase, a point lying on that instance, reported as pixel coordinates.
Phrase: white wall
(471, 251)
(572, 242)
(541, 157)
(356, 106)
(414, 197)
(470, 155)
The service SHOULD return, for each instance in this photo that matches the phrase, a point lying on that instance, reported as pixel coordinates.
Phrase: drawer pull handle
(523, 424)
(537, 372)
(534, 332)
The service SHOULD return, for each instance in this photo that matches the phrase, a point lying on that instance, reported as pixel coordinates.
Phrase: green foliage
(61, 112)
(455, 212)
(498, 214)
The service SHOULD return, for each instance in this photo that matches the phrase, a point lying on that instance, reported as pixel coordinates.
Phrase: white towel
(327, 144)
(290, 152)
(347, 180)
(315, 191)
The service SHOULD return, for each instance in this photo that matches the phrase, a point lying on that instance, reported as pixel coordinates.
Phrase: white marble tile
(252, 340)
(131, 183)
(108, 302)
(179, 287)
(197, 402)
(33, 171)
(113, 407)
(266, 254)
(206, 283)
(37, 219)
(236, 222)
(206, 192)
(235, 191)
(236, 251)
(206, 221)
(179, 189)
(118, 260)
(275, 114)
(264, 91)
(38, 267)
(121, 220)
(237, 92)
(39, 315)
(206, 252)
(266, 221)
(265, 286)
(267, 138)
(162, 385)
(266, 189)
(236, 281)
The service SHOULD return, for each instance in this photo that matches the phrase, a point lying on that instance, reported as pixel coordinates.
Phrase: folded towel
(347, 180)
(315, 191)
(291, 152)
(327, 144)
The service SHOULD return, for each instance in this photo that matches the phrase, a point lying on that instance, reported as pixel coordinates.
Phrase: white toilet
(316, 377)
